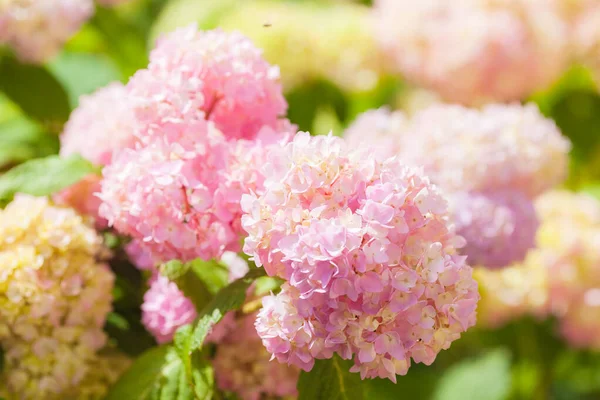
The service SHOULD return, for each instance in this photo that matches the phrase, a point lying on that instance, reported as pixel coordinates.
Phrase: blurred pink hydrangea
(474, 51)
(37, 29)
(492, 162)
(213, 75)
(165, 309)
(561, 277)
(511, 147)
(243, 366)
(368, 255)
(499, 227)
(379, 128)
(102, 124)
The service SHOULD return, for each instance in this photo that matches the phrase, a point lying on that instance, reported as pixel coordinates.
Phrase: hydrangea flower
(182, 203)
(474, 51)
(102, 124)
(381, 129)
(165, 309)
(368, 255)
(491, 162)
(509, 147)
(560, 278)
(243, 366)
(37, 29)
(54, 297)
(207, 110)
(499, 227)
(212, 75)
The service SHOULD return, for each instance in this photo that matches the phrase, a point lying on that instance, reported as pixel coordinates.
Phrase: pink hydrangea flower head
(499, 227)
(164, 196)
(222, 76)
(379, 128)
(368, 255)
(510, 147)
(102, 124)
(165, 309)
(81, 196)
(37, 29)
(243, 366)
(560, 277)
(474, 51)
(182, 199)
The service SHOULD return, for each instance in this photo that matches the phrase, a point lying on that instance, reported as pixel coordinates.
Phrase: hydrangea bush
(261, 199)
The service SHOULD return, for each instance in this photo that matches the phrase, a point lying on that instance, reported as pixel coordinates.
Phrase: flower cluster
(561, 277)
(524, 155)
(368, 256)
(166, 308)
(211, 76)
(37, 29)
(499, 227)
(242, 365)
(102, 125)
(338, 46)
(474, 51)
(585, 32)
(207, 111)
(54, 298)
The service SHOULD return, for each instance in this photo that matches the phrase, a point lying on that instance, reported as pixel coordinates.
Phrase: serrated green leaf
(189, 338)
(331, 380)
(214, 274)
(144, 376)
(187, 281)
(36, 91)
(44, 176)
(485, 378)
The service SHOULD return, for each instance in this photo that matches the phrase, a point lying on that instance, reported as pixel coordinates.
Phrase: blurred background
(341, 58)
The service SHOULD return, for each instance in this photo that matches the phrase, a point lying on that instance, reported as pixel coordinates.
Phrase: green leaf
(44, 176)
(36, 91)
(214, 274)
(117, 321)
(83, 73)
(187, 281)
(485, 378)
(189, 338)
(144, 375)
(331, 380)
(22, 140)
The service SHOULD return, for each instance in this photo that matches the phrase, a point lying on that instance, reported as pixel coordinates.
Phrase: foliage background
(525, 360)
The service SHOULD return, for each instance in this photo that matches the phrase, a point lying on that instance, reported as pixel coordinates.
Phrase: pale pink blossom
(368, 255)
(474, 51)
(37, 29)
(165, 309)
